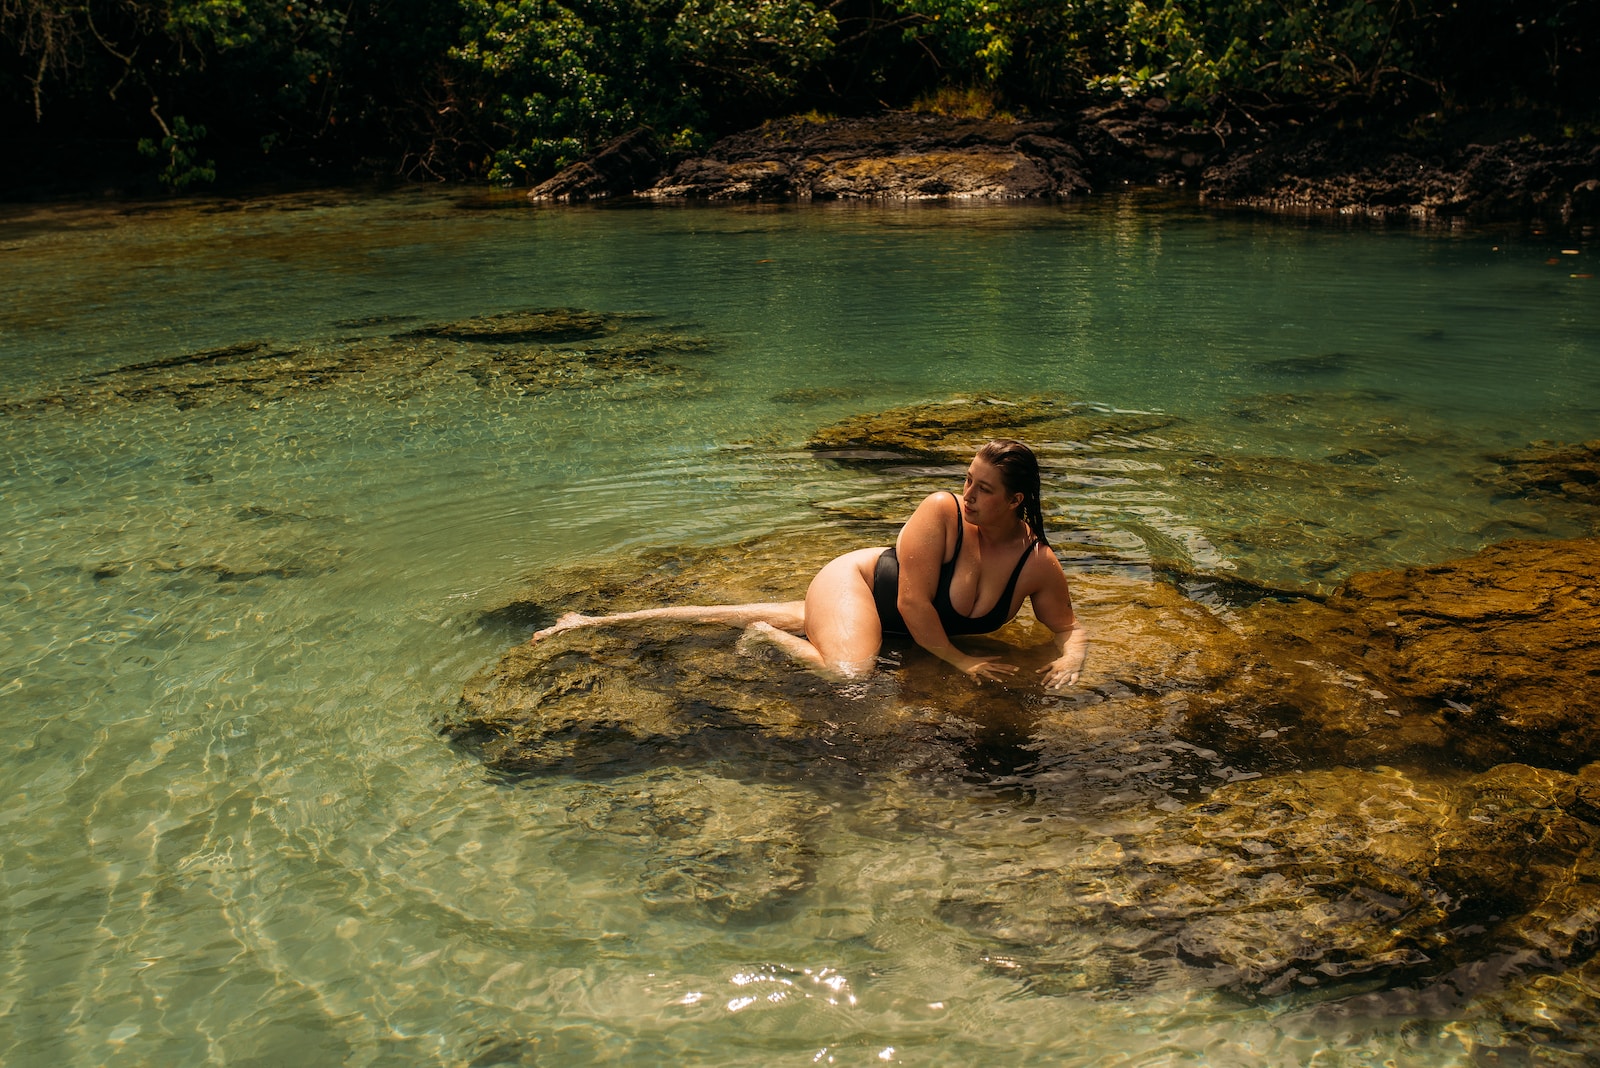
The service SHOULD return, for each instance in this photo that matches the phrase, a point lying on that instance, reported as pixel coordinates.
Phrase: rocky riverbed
(1387, 790)
(1276, 159)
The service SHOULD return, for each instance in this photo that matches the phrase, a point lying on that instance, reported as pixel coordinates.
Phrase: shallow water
(232, 830)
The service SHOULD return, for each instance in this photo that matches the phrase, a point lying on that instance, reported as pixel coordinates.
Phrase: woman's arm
(1052, 606)
(921, 548)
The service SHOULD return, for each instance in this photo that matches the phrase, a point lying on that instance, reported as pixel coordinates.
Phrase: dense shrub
(512, 89)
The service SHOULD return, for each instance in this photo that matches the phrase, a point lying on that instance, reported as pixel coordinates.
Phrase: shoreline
(1477, 168)
(1481, 168)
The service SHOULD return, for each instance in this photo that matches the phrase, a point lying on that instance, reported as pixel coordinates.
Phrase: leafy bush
(560, 78)
(517, 88)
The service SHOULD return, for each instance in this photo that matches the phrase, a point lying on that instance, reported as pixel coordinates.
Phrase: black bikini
(886, 592)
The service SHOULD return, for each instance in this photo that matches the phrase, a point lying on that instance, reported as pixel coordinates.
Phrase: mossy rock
(951, 431)
(516, 353)
(1547, 470)
(726, 848)
(1312, 881)
(1498, 652)
(548, 325)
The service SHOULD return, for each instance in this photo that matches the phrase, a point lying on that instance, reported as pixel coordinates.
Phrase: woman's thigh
(841, 618)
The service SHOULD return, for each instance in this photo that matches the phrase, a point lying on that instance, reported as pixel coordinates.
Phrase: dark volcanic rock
(1273, 157)
(898, 155)
(1328, 168)
(633, 161)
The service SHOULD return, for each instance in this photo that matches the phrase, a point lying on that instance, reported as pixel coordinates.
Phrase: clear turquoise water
(232, 833)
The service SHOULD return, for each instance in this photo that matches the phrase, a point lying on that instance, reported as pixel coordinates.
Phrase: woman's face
(985, 499)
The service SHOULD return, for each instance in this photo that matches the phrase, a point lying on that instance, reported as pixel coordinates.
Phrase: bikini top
(954, 622)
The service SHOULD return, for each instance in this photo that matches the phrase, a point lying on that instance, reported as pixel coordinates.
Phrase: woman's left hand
(1062, 672)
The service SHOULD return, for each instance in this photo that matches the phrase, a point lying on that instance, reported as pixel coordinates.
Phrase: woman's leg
(784, 615)
(841, 620)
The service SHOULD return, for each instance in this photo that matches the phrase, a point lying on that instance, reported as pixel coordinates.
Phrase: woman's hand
(987, 667)
(1063, 671)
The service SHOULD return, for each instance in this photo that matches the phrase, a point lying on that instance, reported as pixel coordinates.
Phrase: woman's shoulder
(1043, 561)
(933, 524)
(941, 503)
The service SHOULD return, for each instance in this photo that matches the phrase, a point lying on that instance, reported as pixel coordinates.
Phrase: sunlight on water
(238, 608)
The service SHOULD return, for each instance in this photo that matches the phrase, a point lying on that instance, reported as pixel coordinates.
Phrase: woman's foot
(567, 621)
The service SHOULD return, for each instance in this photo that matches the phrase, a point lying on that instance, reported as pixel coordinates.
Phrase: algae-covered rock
(597, 696)
(599, 699)
(548, 325)
(950, 431)
(1501, 650)
(1244, 855)
(515, 353)
(1322, 877)
(1551, 471)
(1152, 653)
(1351, 871)
(728, 848)
(614, 696)
(899, 155)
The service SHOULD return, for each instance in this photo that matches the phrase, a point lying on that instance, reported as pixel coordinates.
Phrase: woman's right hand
(987, 667)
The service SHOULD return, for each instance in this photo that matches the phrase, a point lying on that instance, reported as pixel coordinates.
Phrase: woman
(960, 566)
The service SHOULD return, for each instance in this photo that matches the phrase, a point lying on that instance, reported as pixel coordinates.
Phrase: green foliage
(754, 46)
(966, 103)
(1188, 50)
(1192, 50)
(550, 75)
(561, 78)
(180, 166)
(1031, 50)
(518, 88)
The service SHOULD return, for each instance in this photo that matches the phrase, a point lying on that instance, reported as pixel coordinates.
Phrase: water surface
(232, 831)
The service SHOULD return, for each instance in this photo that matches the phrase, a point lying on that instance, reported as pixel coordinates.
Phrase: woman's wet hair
(1019, 470)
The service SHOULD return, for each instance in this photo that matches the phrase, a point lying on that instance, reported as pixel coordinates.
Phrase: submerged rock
(950, 431)
(549, 325)
(718, 846)
(1569, 473)
(521, 353)
(1321, 878)
(1244, 823)
(1498, 653)
(609, 700)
